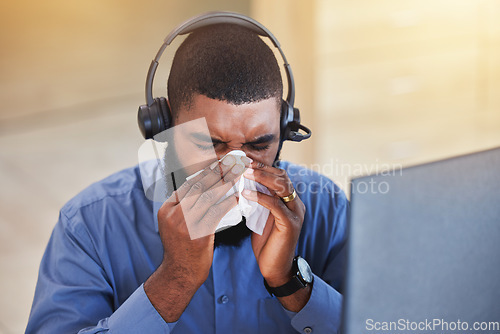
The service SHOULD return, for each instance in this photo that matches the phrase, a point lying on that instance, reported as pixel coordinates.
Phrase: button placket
(223, 299)
(223, 292)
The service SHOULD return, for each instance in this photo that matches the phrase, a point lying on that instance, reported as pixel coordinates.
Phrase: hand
(187, 222)
(188, 219)
(275, 248)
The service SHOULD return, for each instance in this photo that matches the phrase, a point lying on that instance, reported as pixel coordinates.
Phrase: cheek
(190, 157)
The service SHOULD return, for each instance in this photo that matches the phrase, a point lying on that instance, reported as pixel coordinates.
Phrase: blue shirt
(106, 244)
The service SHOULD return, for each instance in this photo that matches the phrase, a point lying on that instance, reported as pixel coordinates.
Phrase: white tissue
(255, 214)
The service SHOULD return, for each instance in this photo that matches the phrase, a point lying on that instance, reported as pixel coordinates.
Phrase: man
(118, 262)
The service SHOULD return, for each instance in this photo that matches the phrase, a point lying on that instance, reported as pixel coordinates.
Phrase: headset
(155, 116)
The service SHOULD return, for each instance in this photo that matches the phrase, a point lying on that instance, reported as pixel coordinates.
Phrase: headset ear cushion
(285, 120)
(165, 114)
(144, 121)
(155, 118)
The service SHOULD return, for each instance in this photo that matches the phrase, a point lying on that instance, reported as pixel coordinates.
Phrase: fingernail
(213, 165)
(246, 160)
(249, 171)
(237, 169)
(246, 192)
(228, 160)
(216, 169)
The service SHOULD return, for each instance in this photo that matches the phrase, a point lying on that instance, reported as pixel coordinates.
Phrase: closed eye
(259, 147)
(261, 143)
(204, 147)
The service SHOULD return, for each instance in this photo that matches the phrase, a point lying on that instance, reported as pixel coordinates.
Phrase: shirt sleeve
(322, 312)
(73, 294)
(137, 314)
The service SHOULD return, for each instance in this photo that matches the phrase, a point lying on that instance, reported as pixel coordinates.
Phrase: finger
(202, 196)
(233, 172)
(197, 205)
(188, 184)
(278, 184)
(228, 170)
(270, 169)
(194, 187)
(194, 211)
(208, 223)
(277, 208)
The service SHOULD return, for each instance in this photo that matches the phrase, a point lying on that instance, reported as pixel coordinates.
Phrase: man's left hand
(275, 248)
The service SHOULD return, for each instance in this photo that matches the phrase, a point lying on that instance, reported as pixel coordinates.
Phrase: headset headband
(211, 18)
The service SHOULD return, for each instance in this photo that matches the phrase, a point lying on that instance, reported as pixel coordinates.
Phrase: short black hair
(225, 62)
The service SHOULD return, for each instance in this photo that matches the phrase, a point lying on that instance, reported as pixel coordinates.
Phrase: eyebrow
(259, 140)
(262, 139)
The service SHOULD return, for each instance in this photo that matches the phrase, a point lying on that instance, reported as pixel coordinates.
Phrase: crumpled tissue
(255, 214)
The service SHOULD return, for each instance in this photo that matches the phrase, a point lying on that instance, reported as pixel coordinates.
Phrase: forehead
(230, 122)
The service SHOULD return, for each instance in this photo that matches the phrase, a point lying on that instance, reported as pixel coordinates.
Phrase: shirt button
(223, 299)
(308, 330)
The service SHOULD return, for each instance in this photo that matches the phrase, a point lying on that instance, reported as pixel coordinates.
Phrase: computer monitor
(424, 249)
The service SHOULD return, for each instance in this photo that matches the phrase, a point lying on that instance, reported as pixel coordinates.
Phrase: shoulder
(109, 221)
(116, 192)
(313, 187)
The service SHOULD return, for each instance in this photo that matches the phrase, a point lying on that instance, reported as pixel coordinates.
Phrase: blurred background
(383, 84)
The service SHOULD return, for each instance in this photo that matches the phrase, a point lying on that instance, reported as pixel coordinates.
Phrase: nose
(222, 153)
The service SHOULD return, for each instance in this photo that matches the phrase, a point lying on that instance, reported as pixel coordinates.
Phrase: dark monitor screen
(424, 249)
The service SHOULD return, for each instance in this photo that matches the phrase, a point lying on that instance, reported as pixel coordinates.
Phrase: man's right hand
(187, 223)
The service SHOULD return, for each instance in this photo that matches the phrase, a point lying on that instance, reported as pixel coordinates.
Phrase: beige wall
(390, 83)
(293, 23)
(403, 82)
(57, 53)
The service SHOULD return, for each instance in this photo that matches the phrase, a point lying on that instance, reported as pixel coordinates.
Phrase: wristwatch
(302, 277)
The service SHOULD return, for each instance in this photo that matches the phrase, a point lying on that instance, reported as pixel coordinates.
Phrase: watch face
(304, 270)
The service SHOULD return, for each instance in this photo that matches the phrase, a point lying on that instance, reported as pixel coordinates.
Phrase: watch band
(286, 289)
(296, 283)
